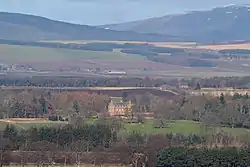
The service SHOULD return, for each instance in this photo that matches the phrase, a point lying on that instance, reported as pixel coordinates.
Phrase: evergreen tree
(124, 96)
(10, 133)
(222, 99)
(246, 96)
(76, 107)
(42, 102)
(198, 86)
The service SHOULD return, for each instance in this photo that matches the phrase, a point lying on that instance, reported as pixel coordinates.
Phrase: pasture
(178, 126)
(53, 59)
(183, 127)
(58, 61)
(30, 53)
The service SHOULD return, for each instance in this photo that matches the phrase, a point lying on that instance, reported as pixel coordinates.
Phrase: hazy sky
(95, 12)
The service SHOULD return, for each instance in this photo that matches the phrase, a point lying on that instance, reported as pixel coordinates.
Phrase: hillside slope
(219, 24)
(14, 26)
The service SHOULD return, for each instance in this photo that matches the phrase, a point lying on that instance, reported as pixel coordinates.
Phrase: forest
(49, 81)
(53, 81)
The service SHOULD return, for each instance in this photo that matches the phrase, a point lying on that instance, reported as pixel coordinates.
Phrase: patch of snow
(237, 6)
(236, 17)
(229, 5)
(107, 28)
(229, 12)
(208, 19)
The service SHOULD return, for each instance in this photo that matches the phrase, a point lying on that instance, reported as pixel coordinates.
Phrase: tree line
(81, 81)
(213, 82)
(218, 82)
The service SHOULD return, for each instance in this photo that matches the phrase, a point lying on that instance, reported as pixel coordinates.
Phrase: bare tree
(3, 146)
(78, 148)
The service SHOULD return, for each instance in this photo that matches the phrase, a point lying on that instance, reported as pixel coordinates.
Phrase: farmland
(182, 127)
(27, 54)
(136, 59)
(187, 45)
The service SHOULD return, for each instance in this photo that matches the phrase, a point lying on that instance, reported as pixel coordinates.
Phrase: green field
(178, 126)
(29, 53)
(183, 127)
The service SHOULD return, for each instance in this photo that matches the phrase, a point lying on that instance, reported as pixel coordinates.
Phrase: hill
(14, 26)
(228, 23)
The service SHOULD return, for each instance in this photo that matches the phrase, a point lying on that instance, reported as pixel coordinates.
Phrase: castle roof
(118, 101)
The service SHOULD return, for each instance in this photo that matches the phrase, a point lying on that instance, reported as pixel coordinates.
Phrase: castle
(118, 107)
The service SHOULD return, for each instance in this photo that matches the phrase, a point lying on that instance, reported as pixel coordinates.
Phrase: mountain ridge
(16, 26)
(226, 23)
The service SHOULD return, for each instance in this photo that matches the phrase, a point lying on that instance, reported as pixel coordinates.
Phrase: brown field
(160, 44)
(190, 45)
(226, 46)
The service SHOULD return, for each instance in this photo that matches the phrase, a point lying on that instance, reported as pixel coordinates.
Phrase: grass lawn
(181, 126)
